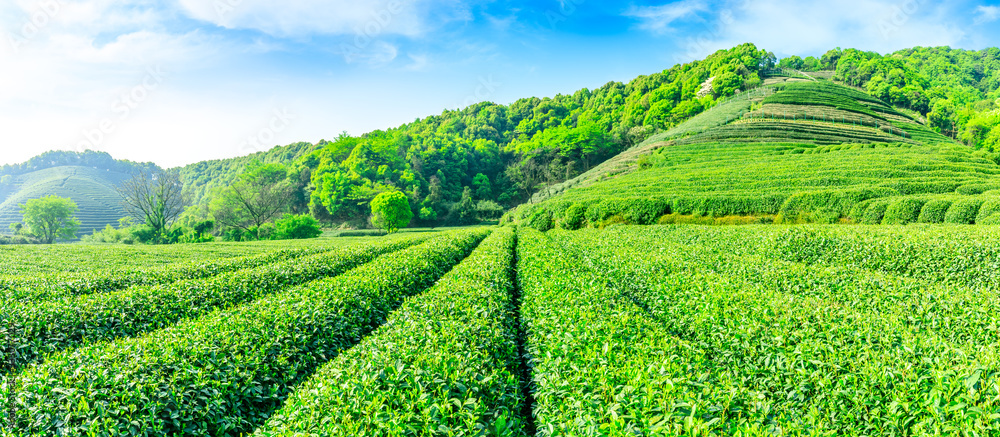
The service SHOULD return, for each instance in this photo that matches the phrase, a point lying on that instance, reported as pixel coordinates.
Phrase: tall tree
(154, 198)
(50, 218)
(258, 196)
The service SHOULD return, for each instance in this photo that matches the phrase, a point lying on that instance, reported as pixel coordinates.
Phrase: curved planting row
(41, 328)
(224, 373)
(782, 348)
(111, 279)
(446, 361)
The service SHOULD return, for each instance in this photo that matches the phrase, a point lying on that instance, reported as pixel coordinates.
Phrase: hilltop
(88, 178)
(792, 152)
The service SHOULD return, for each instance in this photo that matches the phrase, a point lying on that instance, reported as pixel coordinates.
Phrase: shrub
(541, 219)
(875, 212)
(644, 211)
(903, 211)
(222, 374)
(963, 212)
(296, 227)
(990, 208)
(488, 210)
(934, 211)
(974, 189)
(574, 217)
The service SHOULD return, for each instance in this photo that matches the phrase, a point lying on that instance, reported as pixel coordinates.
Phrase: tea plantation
(798, 152)
(629, 330)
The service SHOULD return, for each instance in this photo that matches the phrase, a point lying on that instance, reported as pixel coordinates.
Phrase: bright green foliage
(574, 217)
(990, 208)
(50, 218)
(875, 212)
(51, 326)
(682, 319)
(963, 212)
(446, 361)
(114, 278)
(391, 211)
(934, 211)
(296, 227)
(541, 220)
(903, 211)
(223, 374)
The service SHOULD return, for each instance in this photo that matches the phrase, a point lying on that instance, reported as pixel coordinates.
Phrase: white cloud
(419, 62)
(792, 27)
(297, 18)
(987, 14)
(659, 18)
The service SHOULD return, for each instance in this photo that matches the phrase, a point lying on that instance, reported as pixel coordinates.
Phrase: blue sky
(180, 81)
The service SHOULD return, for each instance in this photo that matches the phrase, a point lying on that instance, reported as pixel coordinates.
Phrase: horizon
(177, 83)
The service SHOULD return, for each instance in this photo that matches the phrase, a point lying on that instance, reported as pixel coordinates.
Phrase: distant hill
(201, 178)
(796, 152)
(92, 189)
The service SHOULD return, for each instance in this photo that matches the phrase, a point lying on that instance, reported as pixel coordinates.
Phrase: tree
(483, 188)
(50, 218)
(258, 196)
(391, 211)
(155, 198)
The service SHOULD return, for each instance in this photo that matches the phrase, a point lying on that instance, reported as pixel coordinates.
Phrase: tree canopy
(391, 211)
(50, 218)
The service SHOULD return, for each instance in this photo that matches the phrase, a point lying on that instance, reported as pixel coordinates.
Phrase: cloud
(419, 62)
(300, 18)
(987, 14)
(792, 27)
(658, 19)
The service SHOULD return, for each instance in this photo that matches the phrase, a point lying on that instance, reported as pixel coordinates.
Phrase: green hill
(92, 189)
(791, 152)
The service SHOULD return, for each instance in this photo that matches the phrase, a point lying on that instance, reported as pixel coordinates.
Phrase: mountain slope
(811, 151)
(92, 189)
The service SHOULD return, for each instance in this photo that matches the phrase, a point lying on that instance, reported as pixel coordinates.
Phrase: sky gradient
(181, 81)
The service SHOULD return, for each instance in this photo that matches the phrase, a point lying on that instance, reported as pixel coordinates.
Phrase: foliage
(155, 200)
(275, 340)
(257, 197)
(461, 334)
(668, 295)
(574, 217)
(903, 211)
(50, 218)
(963, 212)
(391, 211)
(296, 227)
(88, 158)
(934, 211)
(990, 208)
(49, 326)
(541, 219)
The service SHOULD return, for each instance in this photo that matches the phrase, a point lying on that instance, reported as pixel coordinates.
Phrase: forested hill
(499, 154)
(202, 178)
(496, 156)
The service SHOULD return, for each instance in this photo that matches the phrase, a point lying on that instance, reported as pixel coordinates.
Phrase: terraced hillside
(92, 189)
(791, 152)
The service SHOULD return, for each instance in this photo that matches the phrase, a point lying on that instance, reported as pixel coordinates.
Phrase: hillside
(92, 189)
(791, 152)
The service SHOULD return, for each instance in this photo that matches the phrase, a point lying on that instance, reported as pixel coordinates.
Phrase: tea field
(623, 331)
